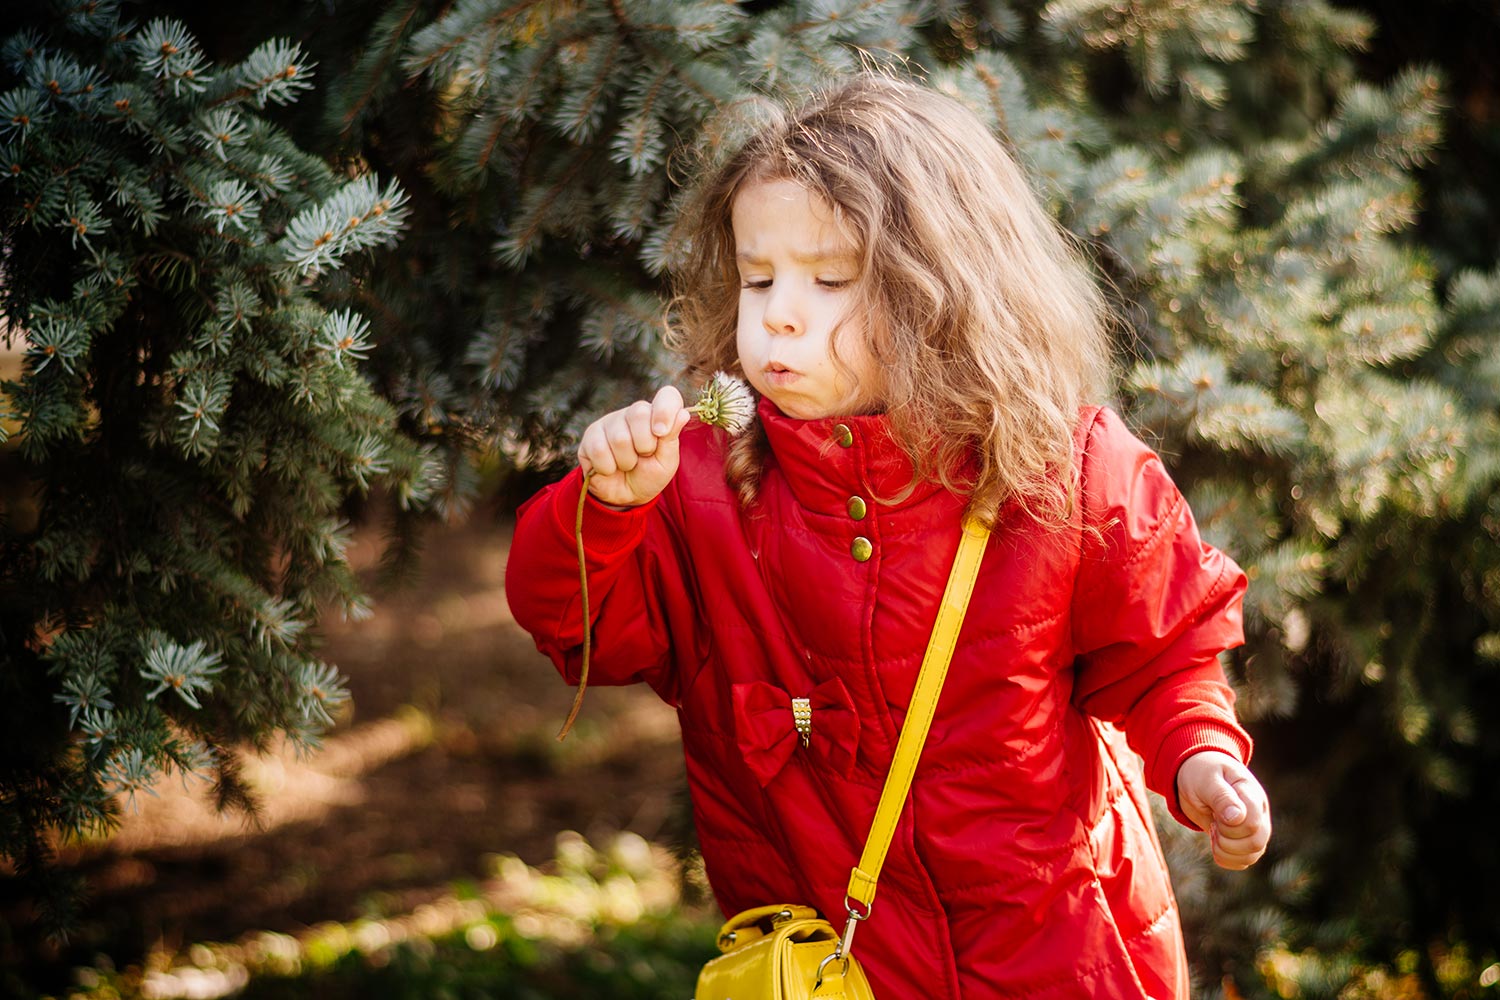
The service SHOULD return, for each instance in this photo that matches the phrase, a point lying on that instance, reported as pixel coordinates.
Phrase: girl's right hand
(633, 452)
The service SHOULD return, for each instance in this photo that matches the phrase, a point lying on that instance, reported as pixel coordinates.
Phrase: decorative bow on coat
(766, 731)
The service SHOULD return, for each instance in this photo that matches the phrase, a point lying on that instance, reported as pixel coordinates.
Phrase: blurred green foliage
(597, 922)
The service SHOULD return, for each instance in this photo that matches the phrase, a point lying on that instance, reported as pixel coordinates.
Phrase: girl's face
(797, 277)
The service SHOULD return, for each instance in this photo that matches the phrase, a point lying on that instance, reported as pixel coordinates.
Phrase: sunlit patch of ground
(292, 788)
(447, 758)
(586, 890)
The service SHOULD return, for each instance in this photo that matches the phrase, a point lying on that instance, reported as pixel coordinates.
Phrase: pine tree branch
(501, 21)
(499, 130)
(992, 87)
(653, 54)
(551, 196)
(626, 304)
(645, 110)
(617, 11)
(396, 41)
(369, 301)
(579, 125)
(865, 7)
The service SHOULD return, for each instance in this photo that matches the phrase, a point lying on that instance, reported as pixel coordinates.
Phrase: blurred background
(300, 300)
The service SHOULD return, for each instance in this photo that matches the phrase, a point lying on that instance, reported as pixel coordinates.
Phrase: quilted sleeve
(631, 640)
(1153, 606)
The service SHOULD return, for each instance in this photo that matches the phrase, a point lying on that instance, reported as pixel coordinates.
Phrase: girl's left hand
(1221, 795)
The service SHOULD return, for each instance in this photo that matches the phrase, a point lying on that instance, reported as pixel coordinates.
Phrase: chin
(807, 412)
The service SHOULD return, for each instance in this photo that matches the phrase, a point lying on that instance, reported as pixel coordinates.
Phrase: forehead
(784, 218)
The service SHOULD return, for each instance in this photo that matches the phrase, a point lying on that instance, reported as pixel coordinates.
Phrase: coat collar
(829, 460)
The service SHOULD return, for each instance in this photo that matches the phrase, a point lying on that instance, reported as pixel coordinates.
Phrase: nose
(783, 315)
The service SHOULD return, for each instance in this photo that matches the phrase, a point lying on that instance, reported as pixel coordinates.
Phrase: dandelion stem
(583, 590)
(726, 403)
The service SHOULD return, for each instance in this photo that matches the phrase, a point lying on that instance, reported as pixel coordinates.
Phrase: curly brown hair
(982, 314)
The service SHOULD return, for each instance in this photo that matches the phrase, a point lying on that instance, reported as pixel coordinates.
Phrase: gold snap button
(856, 507)
(843, 435)
(861, 549)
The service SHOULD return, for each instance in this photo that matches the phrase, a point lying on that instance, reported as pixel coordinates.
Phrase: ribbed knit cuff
(605, 530)
(1180, 744)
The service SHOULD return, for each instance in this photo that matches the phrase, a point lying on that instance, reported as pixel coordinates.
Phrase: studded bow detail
(769, 728)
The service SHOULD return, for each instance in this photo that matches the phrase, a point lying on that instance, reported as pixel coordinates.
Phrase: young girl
(925, 345)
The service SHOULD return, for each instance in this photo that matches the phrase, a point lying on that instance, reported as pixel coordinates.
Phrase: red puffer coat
(1025, 864)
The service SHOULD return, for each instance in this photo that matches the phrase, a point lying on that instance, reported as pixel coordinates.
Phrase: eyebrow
(823, 255)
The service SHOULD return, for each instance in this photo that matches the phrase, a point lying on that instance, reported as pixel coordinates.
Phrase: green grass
(597, 923)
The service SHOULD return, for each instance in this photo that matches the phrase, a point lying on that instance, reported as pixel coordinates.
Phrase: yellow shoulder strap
(919, 715)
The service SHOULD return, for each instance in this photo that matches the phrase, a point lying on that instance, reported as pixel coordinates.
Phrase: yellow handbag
(789, 952)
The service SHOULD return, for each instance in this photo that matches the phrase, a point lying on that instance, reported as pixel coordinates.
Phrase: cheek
(748, 318)
(744, 314)
(858, 358)
(744, 346)
(852, 340)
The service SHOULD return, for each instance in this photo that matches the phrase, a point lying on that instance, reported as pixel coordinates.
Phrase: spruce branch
(519, 96)
(626, 322)
(464, 38)
(537, 214)
(582, 107)
(86, 694)
(371, 75)
(276, 72)
(236, 304)
(345, 334)
(358, 216)
(367, 461)
(321, 691)
(641, 141)
(182, 516)
(276, 623)
(85, 809)
(21, 111)
(20, 49)
(221, 129)
(92, 17)
(270, 175)
(56, 337)
(231, 204)
(61, 78)
(204, 400)
(500, 353)
(136, 195)
(130, 771)
(192, 759)
(186, 670)
(166, 51)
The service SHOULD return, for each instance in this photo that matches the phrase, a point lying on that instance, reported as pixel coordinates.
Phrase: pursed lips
(779, 374)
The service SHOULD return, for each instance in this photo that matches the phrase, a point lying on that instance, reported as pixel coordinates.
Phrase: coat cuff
(605, 529)
(1180, 744)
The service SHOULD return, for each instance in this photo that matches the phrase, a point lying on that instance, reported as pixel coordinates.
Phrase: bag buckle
(846, 942)
(728, 938)
(824, 964)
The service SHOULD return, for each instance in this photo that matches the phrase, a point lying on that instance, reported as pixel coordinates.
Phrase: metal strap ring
(824, 963)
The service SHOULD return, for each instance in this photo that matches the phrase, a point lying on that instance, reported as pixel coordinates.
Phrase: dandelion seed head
(726, 402)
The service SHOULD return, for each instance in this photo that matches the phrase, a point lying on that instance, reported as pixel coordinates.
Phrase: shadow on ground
(447, 757)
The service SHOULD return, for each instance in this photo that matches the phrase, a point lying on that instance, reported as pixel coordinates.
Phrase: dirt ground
(446, 757)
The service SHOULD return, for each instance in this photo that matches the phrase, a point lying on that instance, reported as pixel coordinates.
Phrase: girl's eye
(759, 284)
(835, 282)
